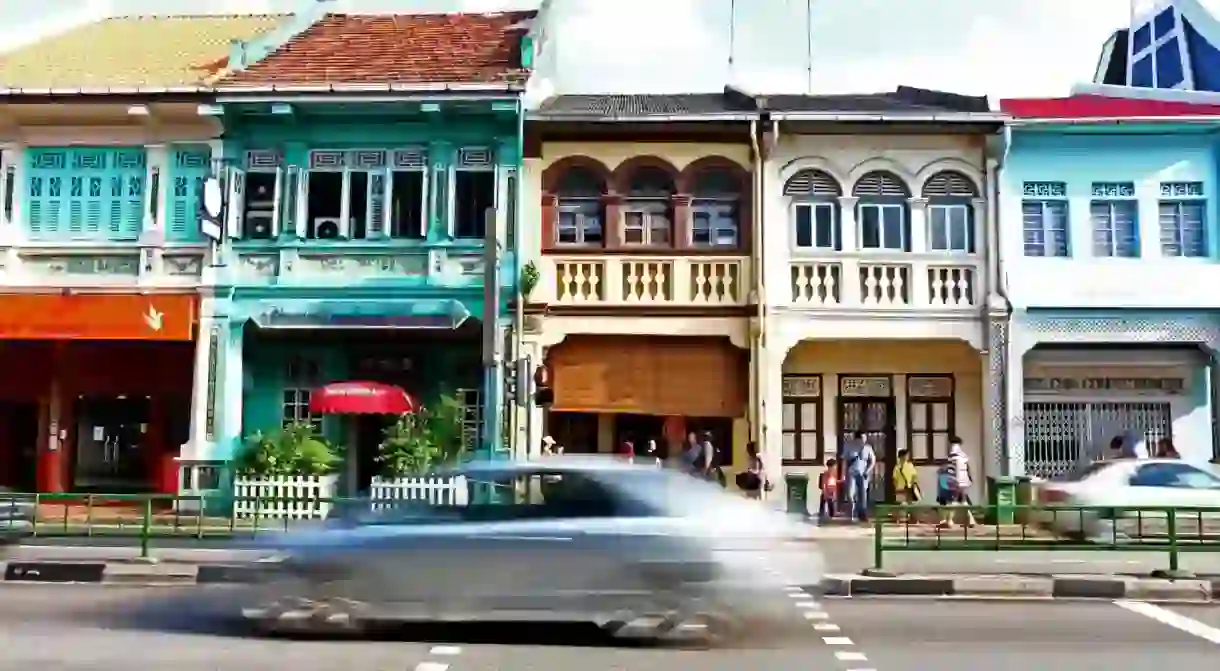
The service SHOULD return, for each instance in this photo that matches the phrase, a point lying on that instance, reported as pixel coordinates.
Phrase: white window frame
(1167, 199)
(490, 166)
(814, 206)
(881, 208)
(967, 223)
(647, 209)
(576, 212)
(1044, 220)
(715, 231)
(1113, 204)
(425, 188)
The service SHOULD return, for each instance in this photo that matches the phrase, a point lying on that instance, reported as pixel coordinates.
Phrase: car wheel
(300, 615)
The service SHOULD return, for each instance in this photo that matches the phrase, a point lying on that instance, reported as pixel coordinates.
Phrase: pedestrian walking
(828, 484)
(860, 460)
(959, 479)
(906, 484)
(692, 455)
(713, 464)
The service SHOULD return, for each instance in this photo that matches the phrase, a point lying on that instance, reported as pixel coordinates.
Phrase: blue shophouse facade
(1110, 253)
(355, 250)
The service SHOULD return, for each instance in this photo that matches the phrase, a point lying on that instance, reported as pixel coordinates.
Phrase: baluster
(830, 284)
(594, 281)
(565, 282)
(631, 282)
(900, 291)
(938, 291)
(869, 285)
(728, 272)
(702, 287)
(800, 283)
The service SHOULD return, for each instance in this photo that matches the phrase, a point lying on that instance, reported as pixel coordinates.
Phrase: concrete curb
(1103, 587)
(1039, 587)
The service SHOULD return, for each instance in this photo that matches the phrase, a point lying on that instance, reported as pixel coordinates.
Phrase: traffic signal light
(543, 394)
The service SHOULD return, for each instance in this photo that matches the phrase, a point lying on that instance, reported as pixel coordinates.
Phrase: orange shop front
(96, 390)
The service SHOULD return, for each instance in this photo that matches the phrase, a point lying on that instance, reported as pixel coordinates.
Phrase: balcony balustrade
(889, 283)
(644, 281)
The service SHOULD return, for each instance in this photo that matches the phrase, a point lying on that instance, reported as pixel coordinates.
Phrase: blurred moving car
(1126, 483)
(17, 513)
(641, 551)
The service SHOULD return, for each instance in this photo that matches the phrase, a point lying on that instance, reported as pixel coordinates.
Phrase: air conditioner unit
(258, 226)
(327, 228)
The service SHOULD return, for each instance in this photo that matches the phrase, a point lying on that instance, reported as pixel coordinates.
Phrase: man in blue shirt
(859, 463)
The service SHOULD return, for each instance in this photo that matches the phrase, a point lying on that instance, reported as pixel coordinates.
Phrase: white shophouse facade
(877, 291)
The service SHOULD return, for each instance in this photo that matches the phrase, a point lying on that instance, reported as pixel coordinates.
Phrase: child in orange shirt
(828, 482)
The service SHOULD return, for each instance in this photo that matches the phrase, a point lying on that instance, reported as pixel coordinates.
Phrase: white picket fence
(291, 498)
(297, 498)
(436, 491)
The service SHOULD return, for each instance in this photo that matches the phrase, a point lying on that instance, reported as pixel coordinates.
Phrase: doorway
(874, 416)
(112, 440)
(19, 445)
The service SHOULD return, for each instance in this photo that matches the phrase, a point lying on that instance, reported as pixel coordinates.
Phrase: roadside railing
(1171, 530)
(147, 518)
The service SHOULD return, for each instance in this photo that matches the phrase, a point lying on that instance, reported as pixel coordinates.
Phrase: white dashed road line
(812, 610)
(1171, 619)
(439, 651)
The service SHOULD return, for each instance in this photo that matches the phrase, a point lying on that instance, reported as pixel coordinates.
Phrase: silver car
(643, 552)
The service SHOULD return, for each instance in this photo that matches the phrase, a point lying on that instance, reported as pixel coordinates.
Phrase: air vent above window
(262, 158)
(474, 157)
(879, 184)
(948, 184)
(812, 183)
(320, 159)
(363, 159)
(411, 159)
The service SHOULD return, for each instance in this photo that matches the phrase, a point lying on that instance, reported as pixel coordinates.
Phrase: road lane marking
(431, 666)
(1172, 619)
(826, 626)
(837, 640)
(817, 615)
(849, 656)
(811, 605)
(445, 650)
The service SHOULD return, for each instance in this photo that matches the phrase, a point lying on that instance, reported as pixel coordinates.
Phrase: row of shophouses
(779, 269)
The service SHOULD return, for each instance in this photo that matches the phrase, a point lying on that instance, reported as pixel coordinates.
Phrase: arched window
(815, 210)
(716, 209)
(881, 212)
(950, 212)
(648, 212)
(581, 216)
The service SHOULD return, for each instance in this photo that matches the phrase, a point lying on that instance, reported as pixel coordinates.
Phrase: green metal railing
(1172, 531)
(145, 518)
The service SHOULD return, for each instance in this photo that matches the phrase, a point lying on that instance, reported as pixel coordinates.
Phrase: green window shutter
(189, 167)
(46, 192)
(126, 193)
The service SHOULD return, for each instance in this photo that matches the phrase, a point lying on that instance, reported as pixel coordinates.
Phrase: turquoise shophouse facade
(359, 188)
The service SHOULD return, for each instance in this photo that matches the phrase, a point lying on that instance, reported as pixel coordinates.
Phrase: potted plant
(529, 279)
(281, 473)
(418, 442)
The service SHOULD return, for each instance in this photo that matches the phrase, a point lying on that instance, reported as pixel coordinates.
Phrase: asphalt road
(106, 628)
(1013, 636)
(843, 555)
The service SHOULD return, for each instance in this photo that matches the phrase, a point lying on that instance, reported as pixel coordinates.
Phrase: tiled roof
(129, 52)
(641, 105)
(903, 100)
(1101, 107)
(397, 49)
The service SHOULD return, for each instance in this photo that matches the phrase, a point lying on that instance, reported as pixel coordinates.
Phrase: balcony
(893, 282)
(628, 281)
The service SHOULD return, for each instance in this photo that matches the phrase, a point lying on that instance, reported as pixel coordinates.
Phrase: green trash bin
(1002, 497)
(796, 486)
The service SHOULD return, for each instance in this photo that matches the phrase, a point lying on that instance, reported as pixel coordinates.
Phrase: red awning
(361, 398)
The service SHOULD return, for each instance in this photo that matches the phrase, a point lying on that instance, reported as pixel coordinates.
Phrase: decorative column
(152, 233)
(12, 219)
(1018, 345)
(919, 224)
(440, 191)
(228, 436)
(771, 410)
(995, 384)
(849, 280)
(683, 226)
(206, 386)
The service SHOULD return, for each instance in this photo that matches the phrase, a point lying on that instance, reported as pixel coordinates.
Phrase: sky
(1000, 48)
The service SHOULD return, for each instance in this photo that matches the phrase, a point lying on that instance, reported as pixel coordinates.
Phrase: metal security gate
(1057, 433)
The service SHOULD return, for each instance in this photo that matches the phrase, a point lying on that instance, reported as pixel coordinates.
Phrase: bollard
(796, 486)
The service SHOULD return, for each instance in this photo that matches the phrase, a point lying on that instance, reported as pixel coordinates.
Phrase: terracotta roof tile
(396, 49)
(132, 51)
